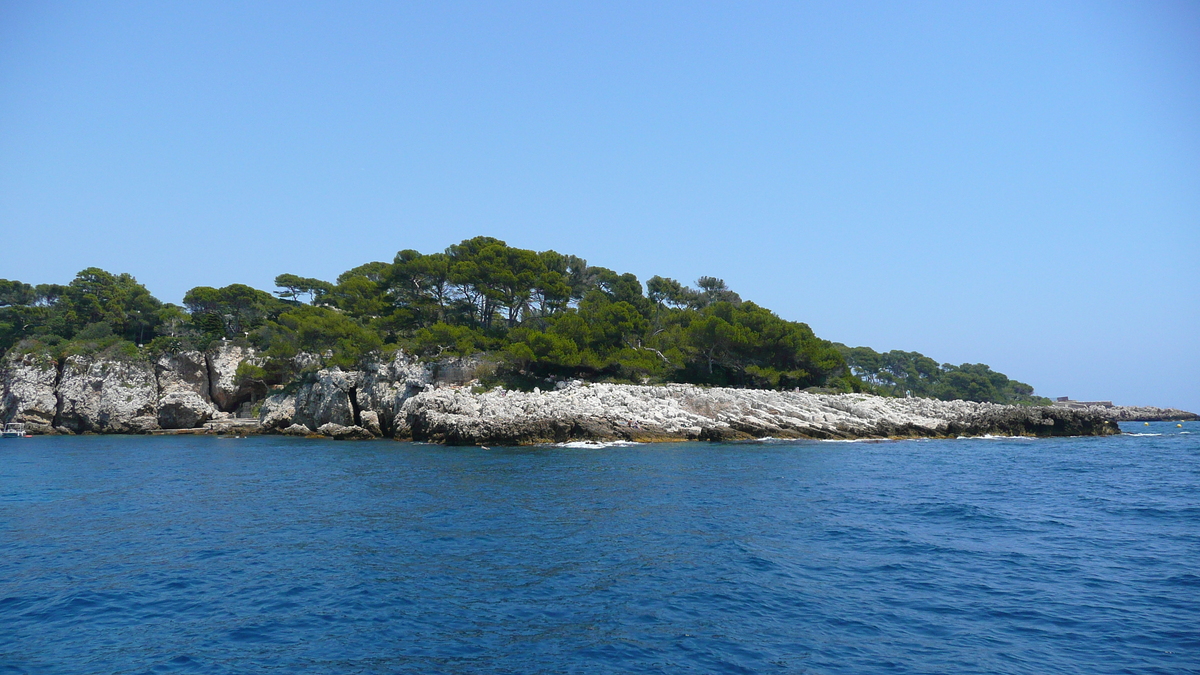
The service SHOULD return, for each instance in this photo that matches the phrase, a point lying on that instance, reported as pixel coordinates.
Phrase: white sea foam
(989, 437)
(1144, 434)
(593, 445)
(773, 440)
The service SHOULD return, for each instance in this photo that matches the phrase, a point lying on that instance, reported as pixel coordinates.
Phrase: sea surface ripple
(268, 554)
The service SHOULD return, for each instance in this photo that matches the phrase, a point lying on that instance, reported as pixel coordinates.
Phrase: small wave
(990, 437)
(595, 444)
(1144, 434)
(773, 439)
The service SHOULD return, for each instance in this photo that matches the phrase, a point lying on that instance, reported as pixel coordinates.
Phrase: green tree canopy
(538, 314)
(230, 311)
(900, 373)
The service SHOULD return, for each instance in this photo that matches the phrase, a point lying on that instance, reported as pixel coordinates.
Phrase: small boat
(13, 430)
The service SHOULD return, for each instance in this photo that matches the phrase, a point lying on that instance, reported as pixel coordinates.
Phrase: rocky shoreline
(1134, 413)
(94, 394)
(402, 398)
(605, 412)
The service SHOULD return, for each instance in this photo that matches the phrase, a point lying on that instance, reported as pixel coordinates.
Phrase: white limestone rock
(296, 430)
(278, 411)
(183, 387)
(649, 413)
(369, 420)
(1129, 413)
(142, 424)
(384, 386)
(27, 391)
(340, 432)
(325, 399)
(223, 362)
(107, 395)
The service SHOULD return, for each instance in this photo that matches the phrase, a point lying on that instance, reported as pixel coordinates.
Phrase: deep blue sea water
(268, 554)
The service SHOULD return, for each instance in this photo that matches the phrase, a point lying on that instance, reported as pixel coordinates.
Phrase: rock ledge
(609, 412)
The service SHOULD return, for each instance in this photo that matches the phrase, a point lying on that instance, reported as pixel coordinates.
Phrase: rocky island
(438, 401)
(483, 343)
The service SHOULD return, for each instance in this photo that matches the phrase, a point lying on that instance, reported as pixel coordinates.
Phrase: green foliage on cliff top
(538, 314)
(96, 312)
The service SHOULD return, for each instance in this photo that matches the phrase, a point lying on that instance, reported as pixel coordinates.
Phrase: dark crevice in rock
(212, 392)
(157, 384)
(386, 424)
(58, 397)
(354, 409)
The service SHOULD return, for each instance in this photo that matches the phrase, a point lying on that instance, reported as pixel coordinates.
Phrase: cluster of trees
(96, 307)
(544, 315)
(899, 373)
(536, 314)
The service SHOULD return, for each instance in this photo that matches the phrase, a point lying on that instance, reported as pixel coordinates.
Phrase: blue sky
(1016, 184)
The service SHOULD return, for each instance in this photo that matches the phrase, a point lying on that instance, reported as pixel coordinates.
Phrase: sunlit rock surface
(27, 386)
(107, 395)
(1132, 413)
(686, 412)
(223, 362)
(184, 399)
(402, 397)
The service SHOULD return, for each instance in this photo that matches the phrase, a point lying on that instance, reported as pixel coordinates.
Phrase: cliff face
(222, 366)
(403, 398)
(86, 393)
(27, 386)
(184, 391)
(107, 396)
(367, 403)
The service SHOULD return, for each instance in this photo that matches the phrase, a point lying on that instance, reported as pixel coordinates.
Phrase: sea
(186, 554)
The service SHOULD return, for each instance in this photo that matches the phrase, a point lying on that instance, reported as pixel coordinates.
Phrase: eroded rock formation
(223, 362)
(116, 393)
(27, 386)
(371, 399)
(184, 391)
(1131, 413)
(113, 396)
(684, 412)
(401, 397)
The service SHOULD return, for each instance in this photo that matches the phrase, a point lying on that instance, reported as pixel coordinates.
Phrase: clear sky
(1016, 184)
